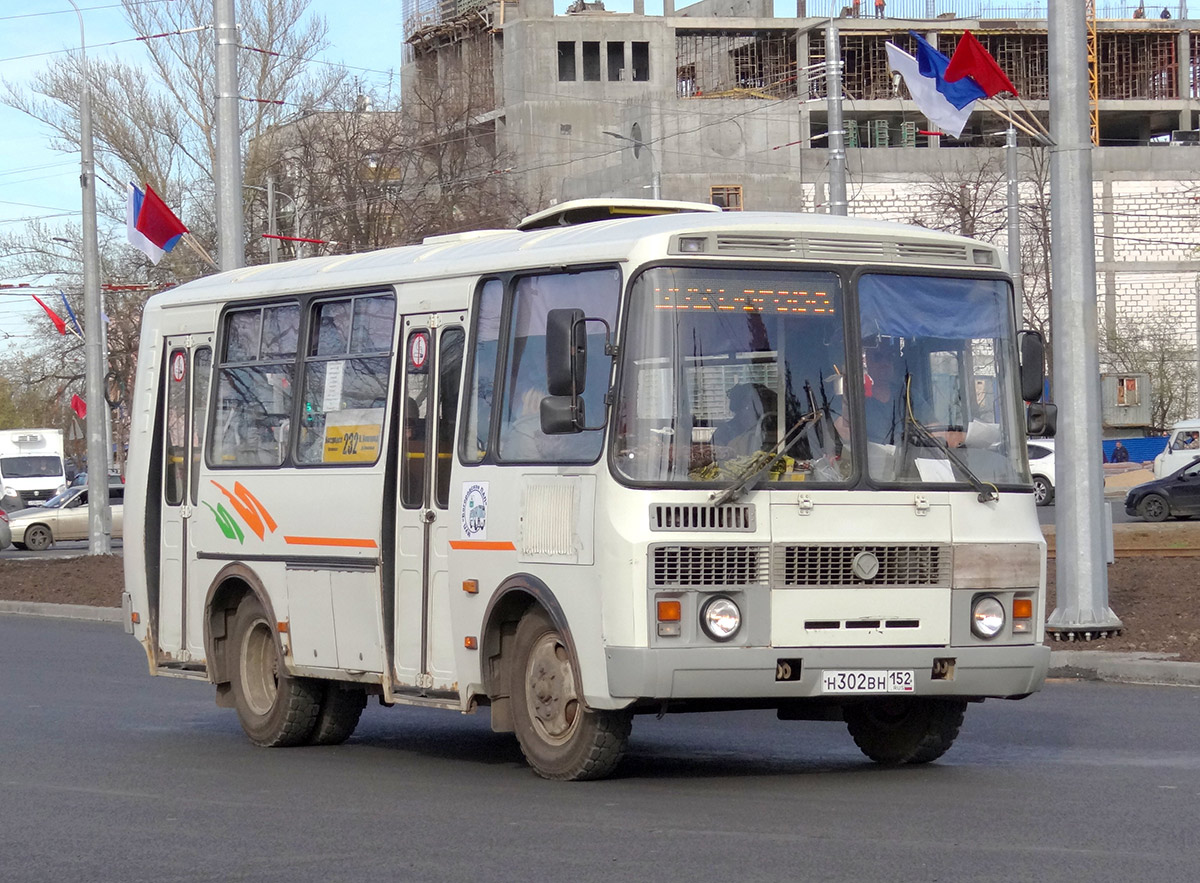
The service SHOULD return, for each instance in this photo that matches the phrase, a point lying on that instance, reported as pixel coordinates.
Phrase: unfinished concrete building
(723, 102)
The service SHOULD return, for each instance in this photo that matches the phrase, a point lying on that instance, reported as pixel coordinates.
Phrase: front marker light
(720, 618)
(987, 616)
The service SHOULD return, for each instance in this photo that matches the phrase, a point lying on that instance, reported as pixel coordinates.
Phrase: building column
(1187, 118)
(1107, 254)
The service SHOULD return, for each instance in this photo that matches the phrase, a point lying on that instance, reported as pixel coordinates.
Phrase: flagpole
(1032, 115)
(1012, 120)
(99, 514)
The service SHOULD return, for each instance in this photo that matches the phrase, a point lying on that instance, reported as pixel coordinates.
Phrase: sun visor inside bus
(926, 306)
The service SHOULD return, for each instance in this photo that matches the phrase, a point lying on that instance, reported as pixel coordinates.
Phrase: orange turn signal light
(471, 586)
(1022, 608)
(135, 617)
(471, 642)
(281, 627)
(670, 611)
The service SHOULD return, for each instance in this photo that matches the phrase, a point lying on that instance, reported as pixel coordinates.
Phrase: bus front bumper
(797, 672)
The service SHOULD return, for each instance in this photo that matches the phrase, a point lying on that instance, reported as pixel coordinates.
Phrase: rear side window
(1036, 452)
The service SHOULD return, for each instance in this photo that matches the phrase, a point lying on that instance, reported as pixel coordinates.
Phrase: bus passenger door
(433, 352)
(185, 402)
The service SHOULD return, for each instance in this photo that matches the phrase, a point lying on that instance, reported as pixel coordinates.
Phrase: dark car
(1174, 496)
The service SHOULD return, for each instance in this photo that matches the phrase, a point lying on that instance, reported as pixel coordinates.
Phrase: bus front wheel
(560, 737)
(275, 709)
(905, 730)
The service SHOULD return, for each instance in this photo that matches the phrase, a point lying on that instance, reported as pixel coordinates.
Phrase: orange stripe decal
(483, 545)
(345, 542)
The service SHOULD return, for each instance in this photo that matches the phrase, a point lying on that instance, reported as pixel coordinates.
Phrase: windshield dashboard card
(874, 681)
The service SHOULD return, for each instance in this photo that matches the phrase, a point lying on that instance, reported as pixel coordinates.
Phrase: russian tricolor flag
(150, 225)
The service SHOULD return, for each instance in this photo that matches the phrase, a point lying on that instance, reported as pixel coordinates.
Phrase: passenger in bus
(750, 428)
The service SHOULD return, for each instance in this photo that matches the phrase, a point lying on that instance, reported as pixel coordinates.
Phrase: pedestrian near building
(1120, 453)
(1166, 13)
(879, 8)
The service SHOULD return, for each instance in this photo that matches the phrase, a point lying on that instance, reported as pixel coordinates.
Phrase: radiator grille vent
(848, 249)
(698, 517)
(834, 565)
(708, 566)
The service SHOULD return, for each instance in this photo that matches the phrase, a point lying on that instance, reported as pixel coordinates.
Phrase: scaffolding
(730, 64)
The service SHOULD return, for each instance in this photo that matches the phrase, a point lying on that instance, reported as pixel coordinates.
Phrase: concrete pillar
(1107, 254)
(639, 7)
(1187, 115)
(668, 8)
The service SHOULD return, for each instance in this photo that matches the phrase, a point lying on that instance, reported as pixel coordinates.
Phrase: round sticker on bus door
(418, 351)
(178, 366)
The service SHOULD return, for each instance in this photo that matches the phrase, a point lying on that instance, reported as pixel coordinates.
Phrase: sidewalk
(1090, 665)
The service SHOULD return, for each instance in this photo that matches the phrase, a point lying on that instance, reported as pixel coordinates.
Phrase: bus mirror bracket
(1033, 364)
(562, 415)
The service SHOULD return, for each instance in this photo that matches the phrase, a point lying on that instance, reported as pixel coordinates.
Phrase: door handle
(428, 516)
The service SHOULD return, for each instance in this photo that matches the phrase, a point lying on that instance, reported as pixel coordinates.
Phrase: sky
(37, 181)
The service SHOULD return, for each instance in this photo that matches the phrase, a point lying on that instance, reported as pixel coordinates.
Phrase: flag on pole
(79, 406)
(54, 317)
(932, 63)
(150, 225)
(972, 60)
(71, 313)
(936, 106)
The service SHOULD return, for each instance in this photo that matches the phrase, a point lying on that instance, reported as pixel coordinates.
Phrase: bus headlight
(720, 618)
(987, 616)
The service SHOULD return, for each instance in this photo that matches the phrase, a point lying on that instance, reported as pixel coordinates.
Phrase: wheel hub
(553, 703)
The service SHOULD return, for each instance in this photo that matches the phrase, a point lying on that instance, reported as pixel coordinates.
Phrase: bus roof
(745, 235)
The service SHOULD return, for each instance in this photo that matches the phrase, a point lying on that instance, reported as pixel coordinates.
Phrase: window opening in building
(591, 61)
(566, 61)
(616, 61)
(641, 61)
(727, 196)
(1127, 392)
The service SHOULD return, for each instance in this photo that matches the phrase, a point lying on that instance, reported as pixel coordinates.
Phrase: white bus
(575, 472)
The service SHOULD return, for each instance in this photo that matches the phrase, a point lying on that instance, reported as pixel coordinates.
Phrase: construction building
(724, 102)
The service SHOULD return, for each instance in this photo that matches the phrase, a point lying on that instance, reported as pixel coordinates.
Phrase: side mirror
(1033, 364)
(1041, 420)
(561, 415)
(566, 352)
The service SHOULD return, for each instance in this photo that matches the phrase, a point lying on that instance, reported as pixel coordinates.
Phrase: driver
(753, 408)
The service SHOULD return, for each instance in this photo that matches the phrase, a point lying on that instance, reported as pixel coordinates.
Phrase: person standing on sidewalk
(1120, 453)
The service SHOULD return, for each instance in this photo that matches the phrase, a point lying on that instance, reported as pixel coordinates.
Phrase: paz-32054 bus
(575, 472)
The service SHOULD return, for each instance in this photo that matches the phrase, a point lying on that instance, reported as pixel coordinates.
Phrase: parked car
(1041, 464)
(1175, 496)
(62, 517)
(5, 530)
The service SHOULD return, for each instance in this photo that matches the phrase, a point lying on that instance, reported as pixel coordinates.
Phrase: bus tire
(341, 707)
(275, 709)
(38, 538)
(905, 730)
(560, 738)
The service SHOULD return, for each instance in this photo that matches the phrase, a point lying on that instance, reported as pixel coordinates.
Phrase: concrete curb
(1125, 668)
(1092, 665)
(63, 611)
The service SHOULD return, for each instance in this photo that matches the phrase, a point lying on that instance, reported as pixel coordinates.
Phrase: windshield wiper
(760, 464)
(987, 491)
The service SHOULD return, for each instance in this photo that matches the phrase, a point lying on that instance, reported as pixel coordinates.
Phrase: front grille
(664, 516)
(676, 567)
(834, 565)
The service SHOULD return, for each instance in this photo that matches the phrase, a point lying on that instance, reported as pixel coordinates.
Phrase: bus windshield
(729, 369)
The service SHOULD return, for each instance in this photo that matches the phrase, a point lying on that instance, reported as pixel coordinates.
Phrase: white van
(31, 465)
(1183, 446)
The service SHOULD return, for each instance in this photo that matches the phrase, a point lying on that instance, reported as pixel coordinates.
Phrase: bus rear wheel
(560, 737)
(905, 730)
(341, 707)
(275, 709)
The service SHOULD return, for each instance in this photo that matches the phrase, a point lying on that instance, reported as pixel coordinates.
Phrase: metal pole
(833, 99)
(1014, 216)
(1080, 560)
(99, 514)
(228, 173)
(272, 244)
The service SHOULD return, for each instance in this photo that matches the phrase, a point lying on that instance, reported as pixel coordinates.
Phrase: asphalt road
(109, 774)
(60, 549)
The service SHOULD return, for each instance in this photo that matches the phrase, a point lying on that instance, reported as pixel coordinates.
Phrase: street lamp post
(99, 514)
(638, 146)
(272, 227)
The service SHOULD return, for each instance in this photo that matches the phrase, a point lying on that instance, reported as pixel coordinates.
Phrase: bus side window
(346, 368)
(481, 394)
(176, 429)
(414, 444)
(254, 386)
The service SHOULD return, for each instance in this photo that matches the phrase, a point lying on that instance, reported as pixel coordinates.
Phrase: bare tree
(1152, 344)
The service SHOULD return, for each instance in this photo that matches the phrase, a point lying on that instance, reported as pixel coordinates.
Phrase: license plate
(876, 681)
